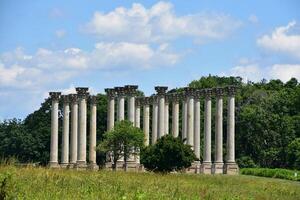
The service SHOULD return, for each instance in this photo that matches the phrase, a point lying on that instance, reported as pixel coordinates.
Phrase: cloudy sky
(56, 45)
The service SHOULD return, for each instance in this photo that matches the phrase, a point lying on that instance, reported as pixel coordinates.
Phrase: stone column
(146, 114)
(206, 166)
(197, 124)
(93, 133)
(230, 166)
(53, 163)
(190, 116)
(130, 90)
(65, 134)
(74, 129)
(137, 119)
(121, 103)
(184, 118)
(161, 91)
(110, 108)
(175, 115)
(166, 115)
(218, 164)
(154, 119)
(82, 93)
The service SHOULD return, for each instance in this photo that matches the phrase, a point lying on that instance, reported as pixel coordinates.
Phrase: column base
(64, 165)
(93, 166)
(71, 165)
(218, 168)
(121, 166)
(54, 165)
(80, 165)
(206, 168)
(195, 168)
(231, 168)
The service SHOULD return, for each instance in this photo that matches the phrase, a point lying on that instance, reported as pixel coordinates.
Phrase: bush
(246, 162)
(272, 173)
(293, 154)
(167, 154)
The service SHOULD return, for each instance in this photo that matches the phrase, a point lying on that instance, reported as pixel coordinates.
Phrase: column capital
(189, 91)
(175, 97)
(231, 90)
(146, 101)
(73, 98)
(207, 93)
(93, 99)
(138, 101)
(120, 91)
(55, 95)
(65, 98)
(161, 90)
(219, 91)
(153, 99)
(130, 89)
(82, 92)
(111, 93)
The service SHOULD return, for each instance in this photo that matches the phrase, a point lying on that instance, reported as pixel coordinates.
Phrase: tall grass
(273, 173)
(41, 183)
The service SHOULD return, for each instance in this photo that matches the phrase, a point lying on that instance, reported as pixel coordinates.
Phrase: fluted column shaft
(65, 134)
(146, 114)
(166, 123)
(175, 118)
(184, 119)
(121, 102)
(154, 121)
(111, 112)
(161, 116)
(231, 130)
(137, 119)
(131, 109)
(207, 130)
(197, 127)
(219, 130)
(54, 130)
(190, 121)
(74, 129)
(81, 160)
(93, 131)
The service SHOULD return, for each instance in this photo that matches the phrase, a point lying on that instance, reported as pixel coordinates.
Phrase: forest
(267, 125)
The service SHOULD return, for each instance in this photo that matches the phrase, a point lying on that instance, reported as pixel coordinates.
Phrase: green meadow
(42, 183)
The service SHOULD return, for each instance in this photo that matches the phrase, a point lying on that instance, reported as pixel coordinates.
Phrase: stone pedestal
(206, 168)
(54, 165)
(218, 168)
(231, 169)
(195, 168)
(93, 166)
(80, 165)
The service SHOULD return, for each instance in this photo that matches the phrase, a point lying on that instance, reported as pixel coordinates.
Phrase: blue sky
(58, 45)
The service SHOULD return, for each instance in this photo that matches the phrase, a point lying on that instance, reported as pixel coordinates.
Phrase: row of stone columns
(190, 120)
(73, 151)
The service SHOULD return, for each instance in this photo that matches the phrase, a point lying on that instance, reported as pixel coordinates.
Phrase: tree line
(267, 125)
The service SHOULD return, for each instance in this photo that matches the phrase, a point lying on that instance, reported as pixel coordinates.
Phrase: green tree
(294, 153)
(167, 154)
(123, 140)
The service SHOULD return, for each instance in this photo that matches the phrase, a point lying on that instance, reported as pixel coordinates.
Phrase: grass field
(41, 183)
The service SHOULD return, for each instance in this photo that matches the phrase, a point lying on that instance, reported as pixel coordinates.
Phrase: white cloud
(282, 41)
(60, 33)
(158, 24)
(19, 70)
(249, 72)
(285, 72)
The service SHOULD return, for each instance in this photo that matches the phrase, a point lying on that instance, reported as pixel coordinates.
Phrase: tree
(294, 153)
(167, 154)
(123, 140)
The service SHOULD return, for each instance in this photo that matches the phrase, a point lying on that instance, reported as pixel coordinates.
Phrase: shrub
(293, 154)
(246, 162)
(272, 173)
(167, 154)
